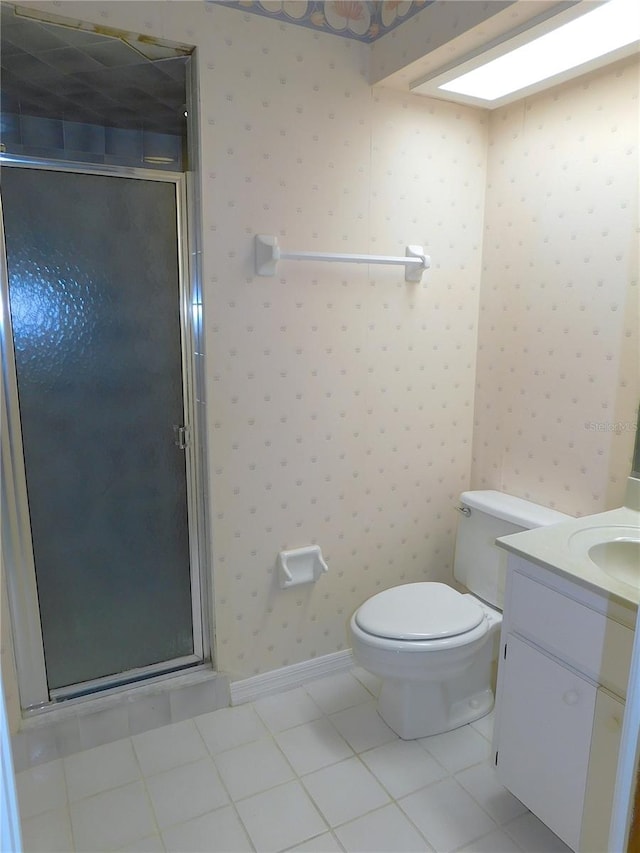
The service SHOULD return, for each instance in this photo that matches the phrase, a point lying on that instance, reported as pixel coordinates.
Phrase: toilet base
(419, 709)
(432, 687)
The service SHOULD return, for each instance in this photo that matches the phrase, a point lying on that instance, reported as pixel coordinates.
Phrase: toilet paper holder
(300, 565)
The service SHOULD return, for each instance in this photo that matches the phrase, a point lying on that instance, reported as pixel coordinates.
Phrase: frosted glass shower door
(94, 290)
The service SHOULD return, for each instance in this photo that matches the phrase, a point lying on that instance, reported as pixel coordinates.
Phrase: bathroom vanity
(566, 644)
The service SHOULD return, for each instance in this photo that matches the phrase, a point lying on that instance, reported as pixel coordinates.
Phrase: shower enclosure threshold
(130, 678)
(62, 728)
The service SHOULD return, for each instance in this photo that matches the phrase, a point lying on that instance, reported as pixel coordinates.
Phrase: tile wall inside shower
(70, 141)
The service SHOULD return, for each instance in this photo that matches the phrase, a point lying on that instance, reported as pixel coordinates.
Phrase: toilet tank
(479, 564)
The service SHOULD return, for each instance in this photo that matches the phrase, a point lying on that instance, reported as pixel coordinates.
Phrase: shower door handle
(180, 436)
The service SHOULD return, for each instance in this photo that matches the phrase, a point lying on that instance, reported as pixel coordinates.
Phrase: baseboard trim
(288, 677)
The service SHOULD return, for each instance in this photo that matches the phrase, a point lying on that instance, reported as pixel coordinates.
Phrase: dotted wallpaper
(558, 359)
(340, 399)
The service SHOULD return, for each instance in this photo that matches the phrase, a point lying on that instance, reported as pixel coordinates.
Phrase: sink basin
(620, 559)
(615, 550)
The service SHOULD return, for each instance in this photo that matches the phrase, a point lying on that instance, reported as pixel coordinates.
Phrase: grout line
(146, 791)
(71, 831)
(153, 813)
(231, 709)
(313, 838)
(230, 803)
(68, 804)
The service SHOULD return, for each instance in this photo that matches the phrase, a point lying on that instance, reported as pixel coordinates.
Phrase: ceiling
(76, 73)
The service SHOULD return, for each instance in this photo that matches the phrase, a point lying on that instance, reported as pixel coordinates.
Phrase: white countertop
(553, 548)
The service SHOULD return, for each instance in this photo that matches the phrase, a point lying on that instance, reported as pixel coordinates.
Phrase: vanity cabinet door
(545, 723)
(603, 764)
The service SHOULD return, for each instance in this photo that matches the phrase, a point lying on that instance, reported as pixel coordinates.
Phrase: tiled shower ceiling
(77, 74)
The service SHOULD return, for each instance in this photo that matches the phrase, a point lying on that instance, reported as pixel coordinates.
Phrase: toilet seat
(419, 611)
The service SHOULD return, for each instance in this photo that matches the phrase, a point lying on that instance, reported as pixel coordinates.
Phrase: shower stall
(101, 473)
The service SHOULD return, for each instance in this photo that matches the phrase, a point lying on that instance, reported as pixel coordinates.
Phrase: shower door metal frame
(17, 548)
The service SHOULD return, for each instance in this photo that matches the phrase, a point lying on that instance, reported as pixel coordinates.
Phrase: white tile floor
(313, 769)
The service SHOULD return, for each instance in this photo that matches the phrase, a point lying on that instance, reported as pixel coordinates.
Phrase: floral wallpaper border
(363, 20)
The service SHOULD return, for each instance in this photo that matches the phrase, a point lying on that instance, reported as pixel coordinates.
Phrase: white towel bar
(268, 253)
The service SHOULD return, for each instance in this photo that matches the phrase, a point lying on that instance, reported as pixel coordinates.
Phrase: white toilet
(434, 647)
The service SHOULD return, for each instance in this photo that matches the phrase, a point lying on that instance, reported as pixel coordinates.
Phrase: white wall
(558, 371)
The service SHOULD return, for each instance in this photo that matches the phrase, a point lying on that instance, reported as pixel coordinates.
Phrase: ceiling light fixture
(530, 61)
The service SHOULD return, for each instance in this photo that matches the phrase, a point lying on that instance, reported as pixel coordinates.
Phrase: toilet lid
(419, 611)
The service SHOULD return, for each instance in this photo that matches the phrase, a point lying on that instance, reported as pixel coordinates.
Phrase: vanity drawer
(586, 640)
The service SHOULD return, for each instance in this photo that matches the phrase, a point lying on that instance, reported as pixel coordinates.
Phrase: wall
(558, 374)
(340, 399)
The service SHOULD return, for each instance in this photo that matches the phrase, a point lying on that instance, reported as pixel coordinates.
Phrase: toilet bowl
(434, 647)
(436, 675)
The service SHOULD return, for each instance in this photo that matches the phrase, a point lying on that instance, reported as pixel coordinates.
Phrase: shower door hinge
(180, 436)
